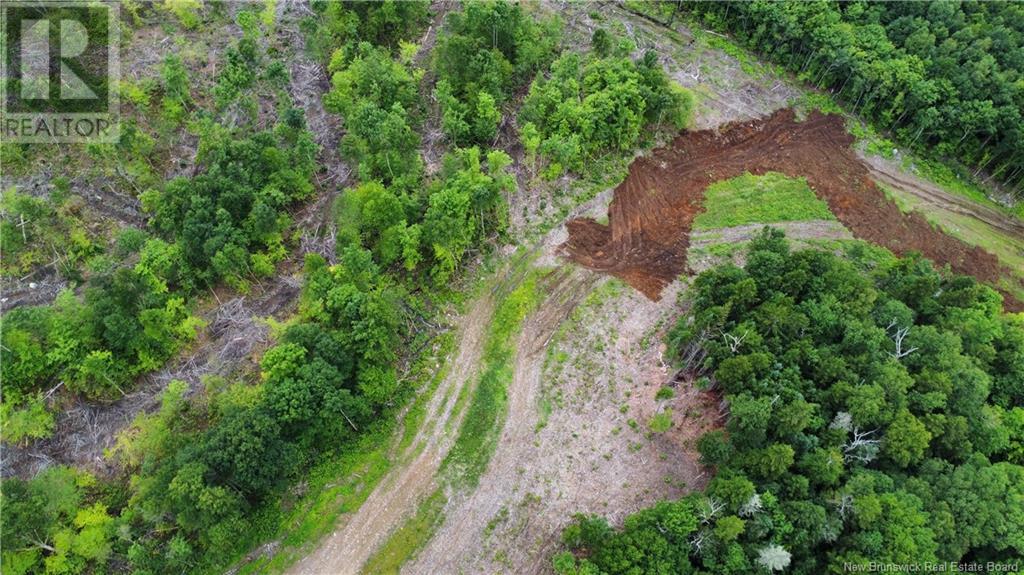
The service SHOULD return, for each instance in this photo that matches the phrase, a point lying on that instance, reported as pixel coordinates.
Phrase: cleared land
(652, 213)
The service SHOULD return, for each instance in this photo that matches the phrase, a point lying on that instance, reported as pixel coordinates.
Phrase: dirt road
(811, 229)
(891, 174)
(397, 496)
(575, 439)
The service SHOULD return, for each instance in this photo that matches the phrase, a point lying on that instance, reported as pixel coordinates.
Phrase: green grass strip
(749, 199)
(405, 543)
(480, 429)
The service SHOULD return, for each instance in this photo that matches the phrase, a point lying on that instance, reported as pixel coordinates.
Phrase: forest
(875, 415)
(945, 76)
(383, 190)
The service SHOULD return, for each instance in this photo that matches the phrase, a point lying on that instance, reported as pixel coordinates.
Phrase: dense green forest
(948, 76)
(875, 414)
(480, 65)
(597, 103)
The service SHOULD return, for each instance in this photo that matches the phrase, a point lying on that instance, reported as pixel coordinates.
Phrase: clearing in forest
(749, 199)
(653, 210)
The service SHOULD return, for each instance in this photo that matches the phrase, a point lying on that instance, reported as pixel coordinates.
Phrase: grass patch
(958, 182)
(316, 514)
(404, 544)
(480, 429)
(661, 422)
(750, 199)
(481, 426)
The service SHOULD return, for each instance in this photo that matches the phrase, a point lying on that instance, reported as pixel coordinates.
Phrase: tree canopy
(873, 411)
(485, 52)
(944, 75)
(593, 104)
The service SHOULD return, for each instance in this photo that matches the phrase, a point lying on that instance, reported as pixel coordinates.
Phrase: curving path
(413, 478)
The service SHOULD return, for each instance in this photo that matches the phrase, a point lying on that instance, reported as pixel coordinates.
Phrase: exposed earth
(651, 215)
(589, 362)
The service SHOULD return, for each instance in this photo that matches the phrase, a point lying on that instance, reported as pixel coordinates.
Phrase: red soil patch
(651, 214)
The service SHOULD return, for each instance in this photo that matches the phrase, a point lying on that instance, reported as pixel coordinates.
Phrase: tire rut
(651, 215)
(469, 513)
(397, 496)
(885, 173)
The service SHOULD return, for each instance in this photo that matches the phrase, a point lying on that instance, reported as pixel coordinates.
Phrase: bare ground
(649, 219)
(568, 446)
(890, 173)
(397, 496)
(812, 229)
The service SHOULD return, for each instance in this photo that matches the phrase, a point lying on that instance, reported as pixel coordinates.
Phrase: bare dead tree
(233, 314)
(733, 341)
(897, 337)
(321, 244)
(697, 541)
(711, 509)
(861, 447)
(692, 356)
(751, 507)
(844, 505)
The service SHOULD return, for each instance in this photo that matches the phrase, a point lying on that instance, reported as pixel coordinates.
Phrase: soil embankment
(652, 212)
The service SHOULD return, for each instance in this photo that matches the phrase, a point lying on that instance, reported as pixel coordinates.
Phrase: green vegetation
(1009, 249)
(875, 406)
(874, 416)
(941, 76)
(459, 209)
(482, 423)
(386, 23)
(330, 375)
(407, 541)
(132, 313)
(207, 477)
(125, 324)
(484, 53)
(597, 103)
(378, 98)
(749, 199)
(42, 232)
(227, 223)
(661, 422)
(52, 508)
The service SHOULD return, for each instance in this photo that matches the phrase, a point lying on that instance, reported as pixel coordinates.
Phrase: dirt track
(650, 217)
(800, 230)
(349, 547)
(586, 353)
(889, 173)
